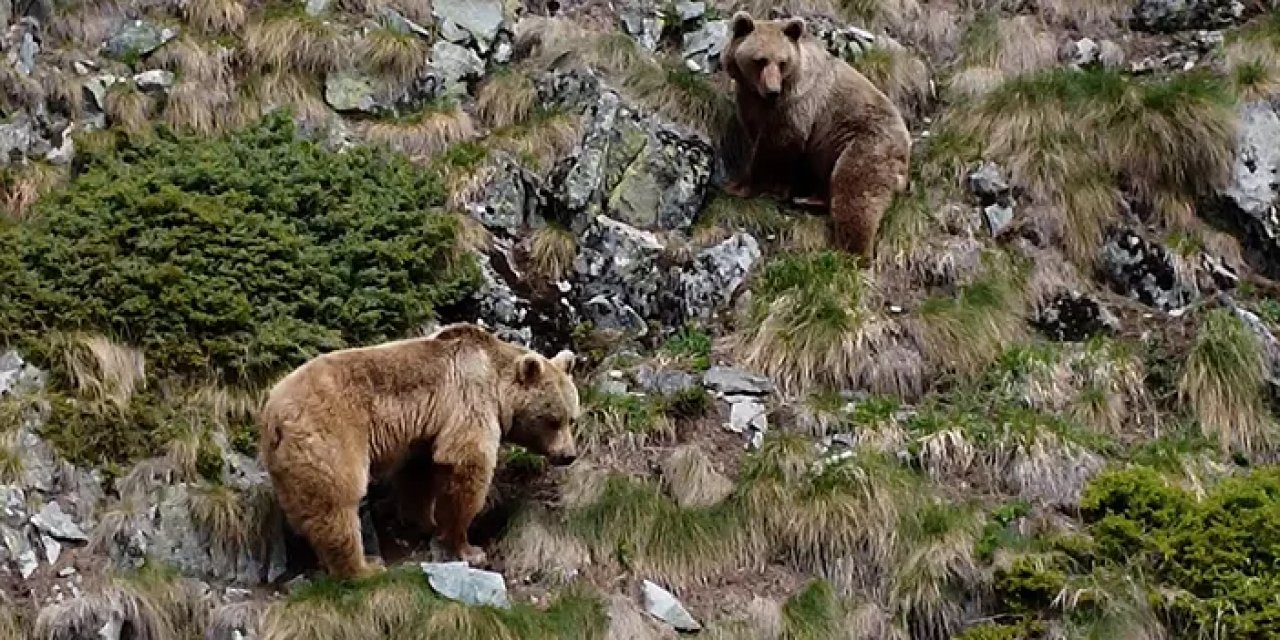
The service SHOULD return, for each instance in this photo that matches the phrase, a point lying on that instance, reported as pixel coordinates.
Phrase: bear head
(544, 406)
(764, 55)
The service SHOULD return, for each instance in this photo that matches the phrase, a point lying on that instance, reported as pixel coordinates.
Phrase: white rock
(457, 581)
(662, 605)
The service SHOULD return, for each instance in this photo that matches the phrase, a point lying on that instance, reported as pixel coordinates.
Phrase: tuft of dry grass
(100, 369)
(215, 17)
(540, 141)
(295, 43)
(1254, 67)
(21, 188)
(84, 25)
(505, 99)
(936, 561)
(965, 332)
(1224, 384)
(129, 109)
(243, 618)
(542, 550)
(396, 57)
(195, 59)
(1065, 136)
(64, 91)
(685, 96)
(263, 93)
(692, 480)
(153, 604)
(813, 323)
(552, 250)
(201, 108)
(226, 517)
(1087, 16)
(425, 134)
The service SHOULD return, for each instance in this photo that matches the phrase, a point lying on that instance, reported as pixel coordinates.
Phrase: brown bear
(818, 131)
(347, 416)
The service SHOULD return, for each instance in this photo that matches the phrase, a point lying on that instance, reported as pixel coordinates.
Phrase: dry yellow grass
(297, 44)
(263, 93)
(424, 135)
(216, 16)
(1223, 384)
(1088, 16)
(129, 109)
(102, 370)
(552, 250)
(21, 188)
(195, 59)
(152, 604)
(692, 479)
(505, 99)
(201, 108)
(540, 142)
(542, 550)
(395, 57)
(1065, 136)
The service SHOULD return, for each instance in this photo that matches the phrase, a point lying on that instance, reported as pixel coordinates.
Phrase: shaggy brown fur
(820, 132)
(347, 416)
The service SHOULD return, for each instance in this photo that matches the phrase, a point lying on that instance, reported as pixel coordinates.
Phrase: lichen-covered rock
(617, 277)
(137, 38)
(456, 65)
(1145, 271)
(1255, 174)
(634, 168)
(713, 278)
(16, 139)
(498, 305)
(1072, 316)
(154, 80)
(701, 48)
(1181, 15)
(353, 92)
(641, 20)
(572, 89)
(511, 201)
(478, 20)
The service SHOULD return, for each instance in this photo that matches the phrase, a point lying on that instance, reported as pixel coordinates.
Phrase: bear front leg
(334, 533)
(741, 187)
(461, 488)
(863, 184)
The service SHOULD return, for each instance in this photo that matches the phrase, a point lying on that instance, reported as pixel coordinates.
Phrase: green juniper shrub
(237, 257)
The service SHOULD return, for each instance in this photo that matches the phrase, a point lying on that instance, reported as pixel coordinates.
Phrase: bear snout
(563, 459)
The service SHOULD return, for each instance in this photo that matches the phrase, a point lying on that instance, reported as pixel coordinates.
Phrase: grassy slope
(1002, 486)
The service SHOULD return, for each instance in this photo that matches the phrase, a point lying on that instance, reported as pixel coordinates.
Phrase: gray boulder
(714, 277)
(617, 276)
(154, 80)
(512, 201)
(16, 139)
(1255, 174)
(1145, 271)
(137, 38)
(456, 65)
(727, 381)
(701, 48)
(353, 92)
(1181, 15)
(475, 587)
(633, 167)
(481, 20)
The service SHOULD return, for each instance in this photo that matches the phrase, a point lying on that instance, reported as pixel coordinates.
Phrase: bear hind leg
(863, 185)
(460, 492)
(335, 536)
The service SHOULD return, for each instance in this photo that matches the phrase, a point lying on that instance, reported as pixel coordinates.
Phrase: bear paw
(473, 556)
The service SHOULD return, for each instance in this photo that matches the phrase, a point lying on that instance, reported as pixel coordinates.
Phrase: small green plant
(691, 343)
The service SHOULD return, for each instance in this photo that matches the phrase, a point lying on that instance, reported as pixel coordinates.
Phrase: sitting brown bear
(347, 416)
(818, 131)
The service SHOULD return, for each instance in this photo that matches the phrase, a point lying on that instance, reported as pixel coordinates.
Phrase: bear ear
(529, 368)
(564, 361)
(742, 25)
(794, 28)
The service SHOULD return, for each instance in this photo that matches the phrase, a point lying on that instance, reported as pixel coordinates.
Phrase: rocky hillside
(1048, 410)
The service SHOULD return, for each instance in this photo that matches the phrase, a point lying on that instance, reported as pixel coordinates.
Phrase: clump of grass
(761, 217)
(1065, 136)
(937, 561)
(811, 325)
(296, 43)
(21, 187)
(608, 417)
(129, 109)
(101, 370)
(400, 603)
(543, 138)
(394, 56)
(1224, 384)
(506, 99)
(692, 479)
(686, 96)
(552, 250)
(1254, 66)
(632, 524)
(153, 602)
(691, 345)
(264, 93)
(216, 17)
(1088, 16)
(965, 332)
(424, 134)
(541, 549)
